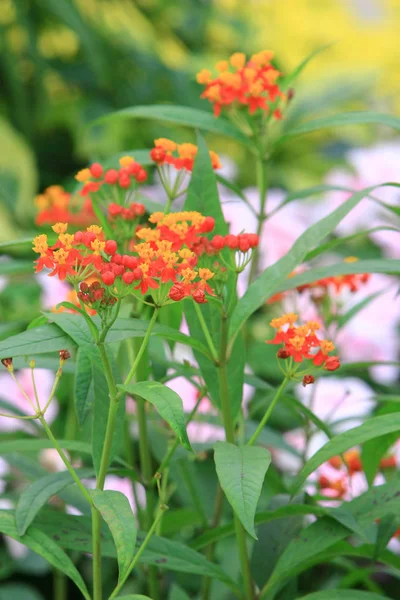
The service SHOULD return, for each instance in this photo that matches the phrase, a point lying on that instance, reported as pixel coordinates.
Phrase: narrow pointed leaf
(241, 472)
(115, 509)
(372, 428)
(343, 595)
(43, 545)
(166, 401)
(39, 340)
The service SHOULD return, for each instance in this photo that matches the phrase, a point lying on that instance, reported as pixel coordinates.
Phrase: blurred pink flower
(13, 395)
(54, 291)
(124, 485)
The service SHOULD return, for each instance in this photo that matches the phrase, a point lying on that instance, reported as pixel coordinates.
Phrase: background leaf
(241, 472)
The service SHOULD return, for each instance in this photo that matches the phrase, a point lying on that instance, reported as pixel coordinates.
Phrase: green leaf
(180, 115)
(343, 595)
(19, 591)
(115, 509)
(287, 81)
(372, 428)
(35, 445)
(40, 340)
(90, 323)
(166, 401)
(135, 597)
(84, 385)
(275, 277)
(43, 545)
(341, 120)
(202, 194)
(36, 495)
(241, 472)
(74, 533)
(177, 593)
(354, 310)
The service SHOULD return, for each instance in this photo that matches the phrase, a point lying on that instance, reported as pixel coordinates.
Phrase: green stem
(60, 585)
(206, 332)
(146, 466)
(65, 460)
(230, 437)
(210, 551)
(141, 350)
(269, 410)
(96, 551)
(262, 185)
(140, 551)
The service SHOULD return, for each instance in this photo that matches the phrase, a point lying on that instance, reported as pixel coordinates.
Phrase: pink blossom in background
(10, 392)
(124, 485)
(54, 291)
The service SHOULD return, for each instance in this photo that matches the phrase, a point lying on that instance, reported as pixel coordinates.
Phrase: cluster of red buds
(130, 173)
(242, 242)
(127, 213)
(251, 83)
(301, 343)
(57, 205)
(95, 296)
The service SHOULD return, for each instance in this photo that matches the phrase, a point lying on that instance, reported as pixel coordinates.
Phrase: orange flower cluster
(129, 174)
(337, 284)
(180, 156)
(353, 462)
(251, 83)
(56, 205)
(163, 260)
(302, 343)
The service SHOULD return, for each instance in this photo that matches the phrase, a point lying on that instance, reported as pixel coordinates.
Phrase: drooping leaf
(39, 542)
(115, 509)
(241, 472)
(341, 120)
(180, 115)
(274, 278)
(372, 428)
(36, 495)
(166, 401)
(39, 340)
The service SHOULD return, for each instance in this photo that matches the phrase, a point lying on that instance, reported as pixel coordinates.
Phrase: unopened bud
(64, 355)
(308, 380)
(282, 353)
(32, 364)
(332, 363)
(8, 363)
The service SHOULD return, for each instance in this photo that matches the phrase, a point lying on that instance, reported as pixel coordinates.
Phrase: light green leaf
(287, 81)
(341, 120)
(275, 277)
(180, 115)
(34, 445)
(343, 595)
(372, 428)
(241, 472)
(115, 509)
(36, 495)
(166, 401)
(39, 340)
(43, 545)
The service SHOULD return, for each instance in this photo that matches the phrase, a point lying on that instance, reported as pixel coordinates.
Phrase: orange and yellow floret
(165, 254)
(180, 156)
(302, 343)
(251, 83)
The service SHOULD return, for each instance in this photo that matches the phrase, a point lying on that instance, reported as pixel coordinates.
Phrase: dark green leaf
(34, 445)
(372, 428)
(241, 472)
(387, 528)
(83, 387)
(18, 591)
(115, 509)
(166, 401)
(36, 495)
(343, 595)
(180, 115)
(43, 545)
(40, 340)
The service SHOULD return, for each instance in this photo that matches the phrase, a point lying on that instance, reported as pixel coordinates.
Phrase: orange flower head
(167, 145)
(60, 227)
(203, 76)
(96, 229)
(97, 246)
(237, 60)
(206, 274)
(83, 175)
(40, 244)
(125, 161)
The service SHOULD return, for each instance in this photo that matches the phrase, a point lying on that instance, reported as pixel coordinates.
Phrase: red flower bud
(108, 278)
(332, 363)
(111, 176)
(78, 237)
(137, 273)
(140, 210)
(98, 294)
(114, 209)
(177, 292)
(110, 247)
(96, 170)
(199, 296)
(130, 262)
(128, 277)
(232, 241)
(244, 243)
(208, 225)
(158, 155)
(283, 354)
(84, 287)
(124, 181)
(116, 259)
(141, 176)
(253, 239)
(64, 355)
(307, 380)
(218, 242)
(388, 462)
